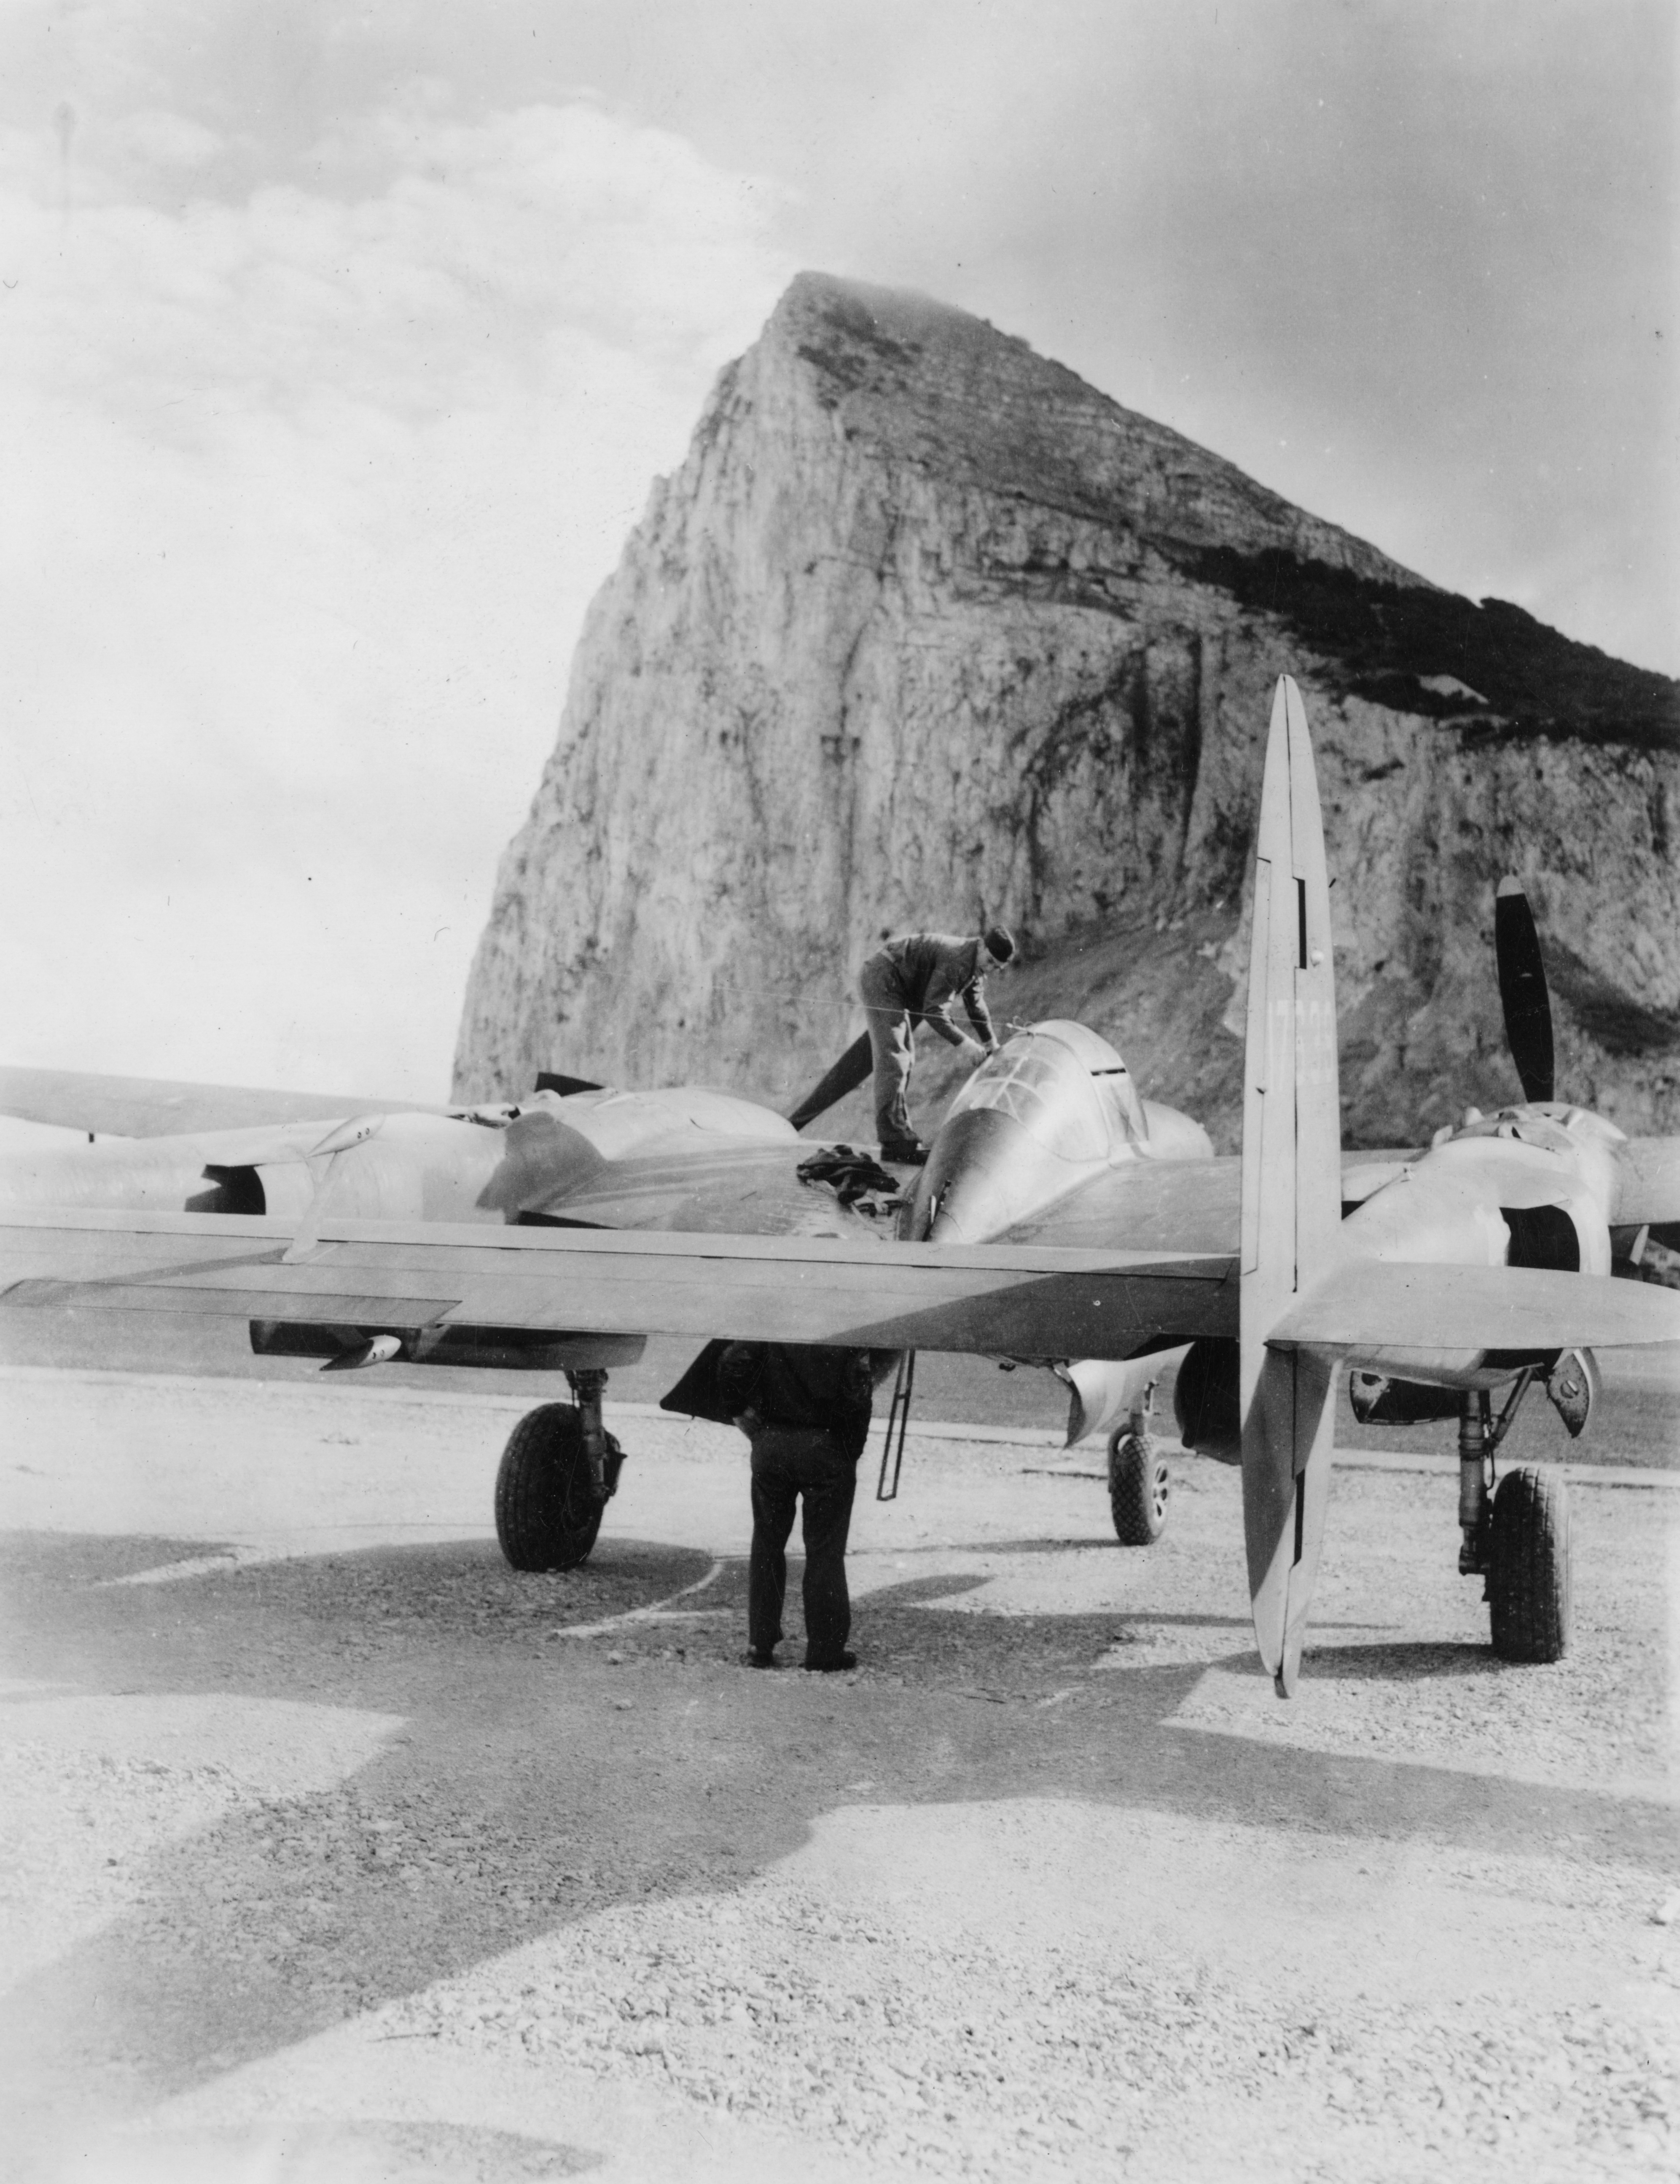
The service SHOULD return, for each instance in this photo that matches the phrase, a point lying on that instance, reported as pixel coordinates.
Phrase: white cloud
(158, 140)
(307, 491)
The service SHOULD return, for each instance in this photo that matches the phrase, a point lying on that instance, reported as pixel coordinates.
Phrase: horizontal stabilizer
(1647, 1182)
(1386, 1305)
(1018, 1299)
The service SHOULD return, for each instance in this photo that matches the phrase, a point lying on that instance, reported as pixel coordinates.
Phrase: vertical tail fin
(1291, 1191)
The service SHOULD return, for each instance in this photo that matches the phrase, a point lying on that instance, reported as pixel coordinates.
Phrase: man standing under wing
(914, 979)
(806, 1411)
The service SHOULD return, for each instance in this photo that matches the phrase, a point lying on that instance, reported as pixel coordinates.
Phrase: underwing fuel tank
(1054, 1106)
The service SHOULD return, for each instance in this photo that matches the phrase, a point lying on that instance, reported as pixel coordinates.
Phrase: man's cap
(999, 943)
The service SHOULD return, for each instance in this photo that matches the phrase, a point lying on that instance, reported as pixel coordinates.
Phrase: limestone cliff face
(925, 631)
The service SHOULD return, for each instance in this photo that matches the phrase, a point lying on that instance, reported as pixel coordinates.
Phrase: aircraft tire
(1528, 1592)
(1140, 1487)
(547, 1515)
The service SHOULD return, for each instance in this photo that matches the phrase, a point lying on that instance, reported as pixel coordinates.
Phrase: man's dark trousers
(792, 1464)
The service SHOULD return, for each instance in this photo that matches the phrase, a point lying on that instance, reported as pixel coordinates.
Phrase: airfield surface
(336, 1852)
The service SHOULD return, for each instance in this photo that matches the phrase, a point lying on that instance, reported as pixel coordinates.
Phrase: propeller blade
(1523, 990)
(847, 1074)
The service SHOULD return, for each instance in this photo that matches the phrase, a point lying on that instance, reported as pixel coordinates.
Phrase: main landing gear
(558, 1471)
(1516, 1534)
(1140, 1485)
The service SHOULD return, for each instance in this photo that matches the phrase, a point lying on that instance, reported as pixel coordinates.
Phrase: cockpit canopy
(1066, 1085)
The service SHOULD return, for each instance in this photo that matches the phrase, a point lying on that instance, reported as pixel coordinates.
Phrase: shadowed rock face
(926, 632)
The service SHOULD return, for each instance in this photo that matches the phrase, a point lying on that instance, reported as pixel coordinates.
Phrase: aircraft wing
(702, 1187)
(149, 1107)
(1172, 1206)
(1014, 1301)
(1647, 1182)
(1175, 1205)
(1391, 1305)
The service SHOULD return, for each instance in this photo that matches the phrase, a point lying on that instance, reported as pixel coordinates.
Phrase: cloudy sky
(339, 344)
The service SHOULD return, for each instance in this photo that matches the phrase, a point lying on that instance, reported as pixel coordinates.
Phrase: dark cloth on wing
(855, 1178)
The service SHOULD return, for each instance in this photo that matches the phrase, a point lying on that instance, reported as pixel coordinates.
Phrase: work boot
(905, 1153)
(760, 1657)
(831, 1664)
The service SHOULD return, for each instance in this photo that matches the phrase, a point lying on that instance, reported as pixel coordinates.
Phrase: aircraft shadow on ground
(536, 1781)
(1413, 1661)
(1041, 1545)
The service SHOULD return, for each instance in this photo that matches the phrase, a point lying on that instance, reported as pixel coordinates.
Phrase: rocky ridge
(925, 631)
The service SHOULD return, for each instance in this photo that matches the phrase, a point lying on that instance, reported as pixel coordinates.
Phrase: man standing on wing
(805, 1412)
(914, 979)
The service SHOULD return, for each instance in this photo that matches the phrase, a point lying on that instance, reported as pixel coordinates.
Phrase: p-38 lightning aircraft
(1478, 1264)
(1049, 1120)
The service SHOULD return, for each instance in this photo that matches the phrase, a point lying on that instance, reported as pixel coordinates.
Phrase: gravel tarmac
(335, 1850)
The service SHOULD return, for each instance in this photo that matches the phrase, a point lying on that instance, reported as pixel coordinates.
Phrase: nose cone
(981, 1176)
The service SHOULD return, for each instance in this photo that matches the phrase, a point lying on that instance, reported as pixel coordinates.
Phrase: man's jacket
(786, 1384)
(928, 971)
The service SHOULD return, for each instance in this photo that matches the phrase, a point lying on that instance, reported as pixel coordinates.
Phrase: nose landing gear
(558, 1471)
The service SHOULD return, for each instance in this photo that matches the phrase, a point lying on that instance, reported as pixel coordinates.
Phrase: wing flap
(1389, 1306)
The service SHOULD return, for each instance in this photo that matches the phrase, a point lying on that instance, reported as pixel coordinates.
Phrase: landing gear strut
(558, 1471)
(1517, 1535)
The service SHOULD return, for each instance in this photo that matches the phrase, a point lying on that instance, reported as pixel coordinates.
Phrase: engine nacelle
(1207, 1398)
(1378, 1401)
(1102, 1391)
